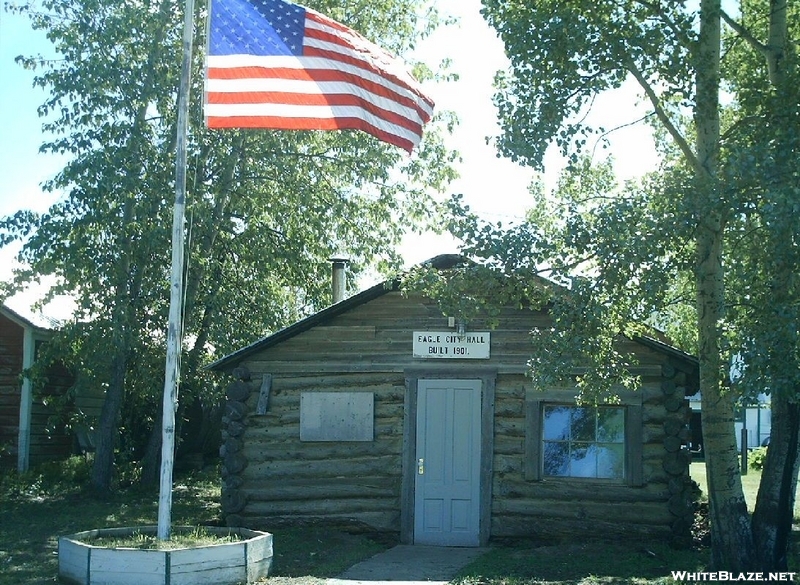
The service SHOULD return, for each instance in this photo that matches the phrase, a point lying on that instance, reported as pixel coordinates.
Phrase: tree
(562, 56)
(762, 169)
(265, 210)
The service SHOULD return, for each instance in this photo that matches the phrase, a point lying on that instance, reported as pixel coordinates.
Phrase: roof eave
(230, 361)
(23, 322)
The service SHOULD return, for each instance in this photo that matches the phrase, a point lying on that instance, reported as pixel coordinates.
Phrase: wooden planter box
(244, 561)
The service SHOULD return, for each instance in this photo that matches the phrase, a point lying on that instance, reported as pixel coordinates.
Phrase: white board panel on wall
(337, 416)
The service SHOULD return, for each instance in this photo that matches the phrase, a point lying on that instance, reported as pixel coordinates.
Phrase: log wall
(48, 441)
(271, 477)
(11, 336)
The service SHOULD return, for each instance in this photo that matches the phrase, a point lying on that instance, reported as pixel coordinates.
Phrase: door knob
(421, 466)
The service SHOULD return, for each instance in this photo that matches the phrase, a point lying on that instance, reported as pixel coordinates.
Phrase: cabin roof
(442, 262)
(231, 360)
(28, 319)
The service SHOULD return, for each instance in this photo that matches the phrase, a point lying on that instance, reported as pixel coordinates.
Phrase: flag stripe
(402, 91)
(312, 81)
(323, 38)
(322, 112)
(283, 122)
(317, 68)
(257, 75)
(328, 99)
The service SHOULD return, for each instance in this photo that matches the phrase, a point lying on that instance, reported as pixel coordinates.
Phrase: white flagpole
(175, 328)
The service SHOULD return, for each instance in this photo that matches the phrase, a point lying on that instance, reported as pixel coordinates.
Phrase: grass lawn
(49, 502)
(588, 563)
(750, 483)
(42, 505)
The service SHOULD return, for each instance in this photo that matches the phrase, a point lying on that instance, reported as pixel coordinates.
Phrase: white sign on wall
(474, 345)
(337, 416)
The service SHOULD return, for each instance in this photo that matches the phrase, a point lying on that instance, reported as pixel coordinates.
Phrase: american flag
(274, 64)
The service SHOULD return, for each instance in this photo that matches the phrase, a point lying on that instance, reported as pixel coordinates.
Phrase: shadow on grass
(35, 514)
(586, 563)
(323, 551)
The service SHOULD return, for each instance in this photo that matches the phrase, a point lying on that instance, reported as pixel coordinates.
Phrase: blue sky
(22, 168)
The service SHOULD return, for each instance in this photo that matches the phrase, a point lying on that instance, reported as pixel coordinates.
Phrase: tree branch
(744, 34)
(673, 26)
(663, 117)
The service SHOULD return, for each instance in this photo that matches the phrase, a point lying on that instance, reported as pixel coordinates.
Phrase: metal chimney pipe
(338, 277)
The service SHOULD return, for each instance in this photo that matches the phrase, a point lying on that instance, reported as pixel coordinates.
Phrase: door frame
(487, 377)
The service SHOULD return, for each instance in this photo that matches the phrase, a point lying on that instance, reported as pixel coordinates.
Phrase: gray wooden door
(447, 485)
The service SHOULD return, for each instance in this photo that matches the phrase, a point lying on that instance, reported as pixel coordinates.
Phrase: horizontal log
(238, 391)
(378, 382)
(233, 500)
(311, 451)
(677, 463)
(362, 357)
(344, 332)
(555, 529)
(508, 463)
(233, 482)
(241, 373)
(652, 433)
(672, 426)
(509, 445)
(509, 408)
(233, 445)
(589, 512)
(270, 428)
(510, 427)
(285, 426)
(384, 521)
(323, 506)
(385, 465)
(285, 367)
(235, 428)
(674, 403)
(510, 388)
(672, 444)
(385, 407)
(310, 489)
(680, 505)
(234, 463)
(567, 491)
(235, 410)
(393, 335)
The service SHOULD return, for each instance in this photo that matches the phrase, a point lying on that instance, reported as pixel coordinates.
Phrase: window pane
(583, 424)
(556, 423)
(583, 461)
(583, 442)
(556, 459)
(610, 461)
(611, 425)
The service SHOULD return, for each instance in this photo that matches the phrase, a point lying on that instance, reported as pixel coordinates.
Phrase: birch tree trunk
(774, 511)
(772, 519)
(731, 536)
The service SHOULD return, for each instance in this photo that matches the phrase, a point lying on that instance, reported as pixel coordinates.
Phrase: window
(570, 441)
(583, 441)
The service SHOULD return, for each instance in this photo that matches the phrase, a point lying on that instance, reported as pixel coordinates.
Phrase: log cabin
(28, 435)
(381, 412)
(23, 421)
